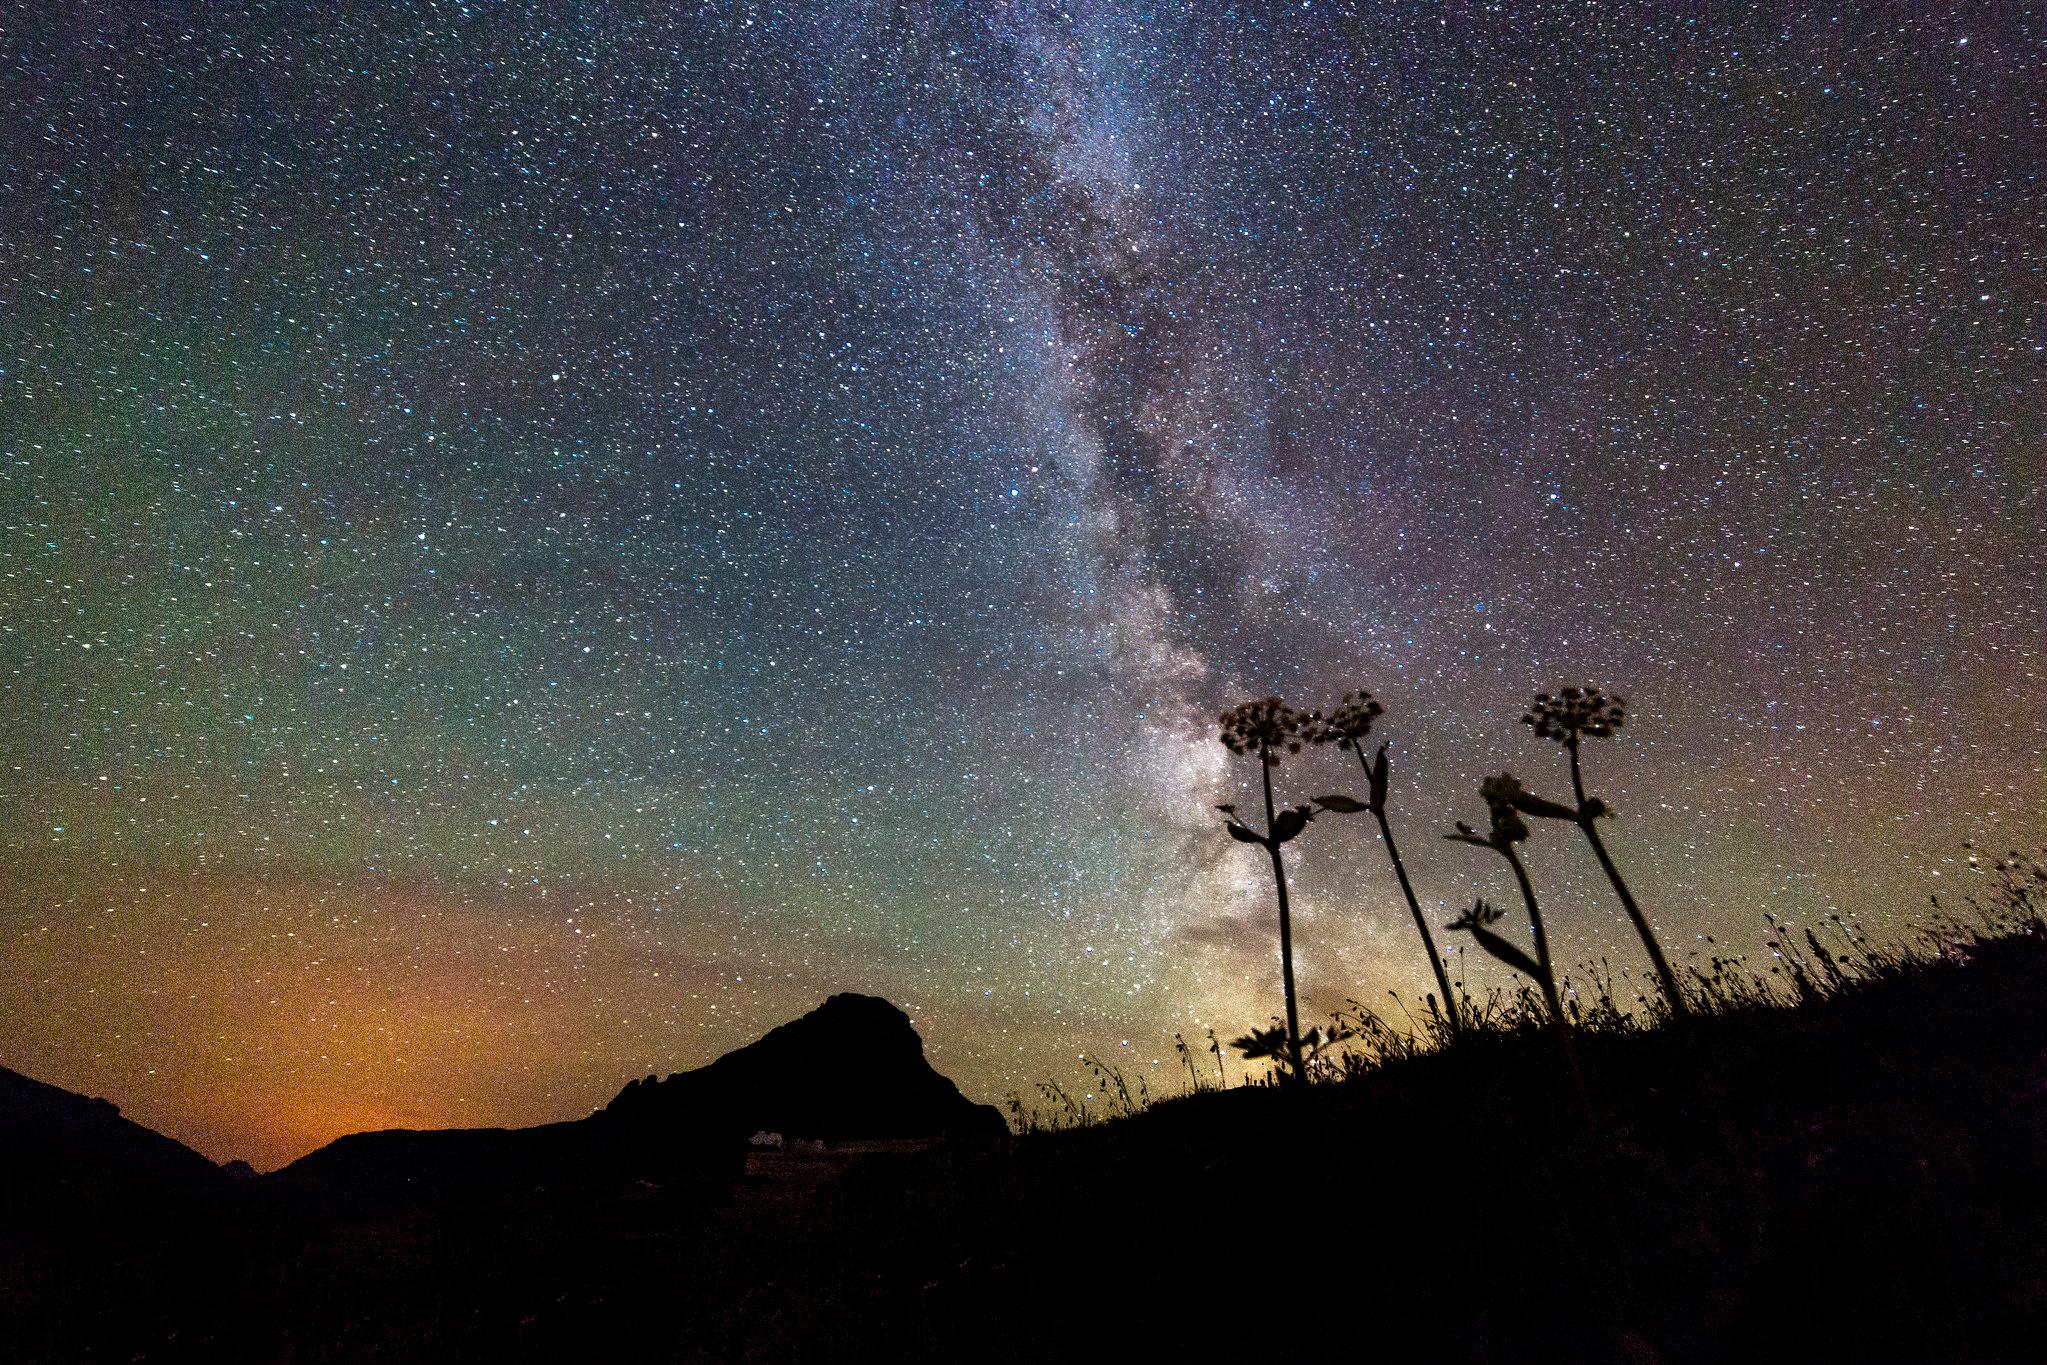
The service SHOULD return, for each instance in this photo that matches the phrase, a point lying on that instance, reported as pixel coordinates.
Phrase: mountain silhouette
(61, 1151)
(852, 1068)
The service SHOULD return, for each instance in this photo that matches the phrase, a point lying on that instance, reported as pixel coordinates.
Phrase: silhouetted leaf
(1261, 1044)
(1379, 769)
(1528, 803)
(1342, 805)
(1504, 951)
(1289, 824)
(1243, 834)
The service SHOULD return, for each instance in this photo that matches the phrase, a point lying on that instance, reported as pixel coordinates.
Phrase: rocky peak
(853, 1067)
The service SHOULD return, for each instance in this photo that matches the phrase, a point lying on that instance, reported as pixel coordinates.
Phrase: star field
(538, 540)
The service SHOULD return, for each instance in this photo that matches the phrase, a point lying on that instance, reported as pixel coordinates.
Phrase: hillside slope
(1860, 1178)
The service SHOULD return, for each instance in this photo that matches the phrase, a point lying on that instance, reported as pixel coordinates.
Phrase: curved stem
(1665, 977)
(1549, 984)
(1549, 975)
(1414, 908)
(1286, 931)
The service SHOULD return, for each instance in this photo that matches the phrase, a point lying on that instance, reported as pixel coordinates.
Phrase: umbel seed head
(1349, 723)
(1573, 713)
(1270, 727)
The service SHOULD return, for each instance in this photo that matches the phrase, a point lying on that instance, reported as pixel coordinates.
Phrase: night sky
(539, 540)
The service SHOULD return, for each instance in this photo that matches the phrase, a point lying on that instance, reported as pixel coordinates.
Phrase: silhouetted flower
(1509, 829)
(1265, 729)
(1350, 722)
(1567, 718)
(1269, 727)
(1348, 725)
(1574, 712)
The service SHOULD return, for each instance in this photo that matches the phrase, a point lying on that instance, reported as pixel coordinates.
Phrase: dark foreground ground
(1862, 1178)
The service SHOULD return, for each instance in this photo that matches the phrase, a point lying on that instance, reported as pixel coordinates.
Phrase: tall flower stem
(1414, 908)
(1587, 821)
(1286, 930)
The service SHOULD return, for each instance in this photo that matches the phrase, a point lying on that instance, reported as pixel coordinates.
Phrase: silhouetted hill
(92, 1207)
(853, 1067)
(59, 1150)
